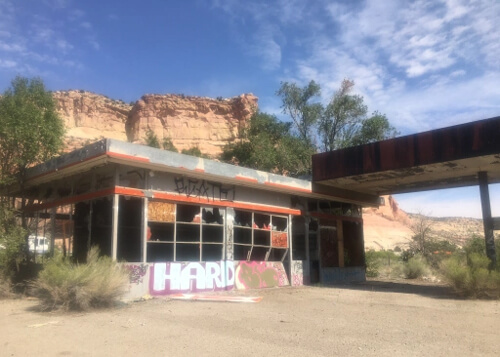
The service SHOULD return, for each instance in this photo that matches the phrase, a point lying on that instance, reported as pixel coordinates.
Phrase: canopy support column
(487, 219)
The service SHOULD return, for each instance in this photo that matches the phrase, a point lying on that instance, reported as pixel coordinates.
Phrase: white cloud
(269, 21)
(426, 64)
(12, 47)
(7, 64)
(36, 43)
(458, 202)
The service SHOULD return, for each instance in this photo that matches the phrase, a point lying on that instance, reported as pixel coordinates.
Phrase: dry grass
(63, 285)
(470, 277)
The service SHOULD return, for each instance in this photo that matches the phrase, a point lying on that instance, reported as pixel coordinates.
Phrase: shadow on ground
(417, 288)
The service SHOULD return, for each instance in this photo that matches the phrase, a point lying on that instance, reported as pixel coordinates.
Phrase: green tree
(31, 131)
(151, 139)
(375, 128)
(344, 121)
(268, 144)
(13, 242)
(169, 145)
(194, 151)
(297, 103)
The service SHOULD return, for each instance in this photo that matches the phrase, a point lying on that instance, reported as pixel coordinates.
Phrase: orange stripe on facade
(247, 179)
(70, 200)
(128, 157)
(135, 192)
(287, 187)
(127, 191)
(246, 206)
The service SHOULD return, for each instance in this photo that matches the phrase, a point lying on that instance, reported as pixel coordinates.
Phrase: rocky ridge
(188, 121)
(388, 227)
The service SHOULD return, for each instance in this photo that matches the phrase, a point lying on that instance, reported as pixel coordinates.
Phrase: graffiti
(167, 278)
(229, 235)
(297, 273)
(136, 273)
(279, 239)
(256, 275)
(203, 189)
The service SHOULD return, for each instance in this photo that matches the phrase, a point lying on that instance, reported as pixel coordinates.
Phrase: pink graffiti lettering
(256, 275)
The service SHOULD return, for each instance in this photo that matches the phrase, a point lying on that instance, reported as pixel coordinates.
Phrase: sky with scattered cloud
(426, 64)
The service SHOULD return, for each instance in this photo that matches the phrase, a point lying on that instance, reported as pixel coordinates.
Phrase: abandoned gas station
(182, 224)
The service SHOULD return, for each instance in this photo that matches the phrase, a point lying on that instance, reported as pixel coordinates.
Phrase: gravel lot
(371, 319)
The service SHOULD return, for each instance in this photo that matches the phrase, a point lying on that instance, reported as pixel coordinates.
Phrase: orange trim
(128, 157)
(119, 190)
(70, 200)
(287, 187)
(247, 179)
(199, 170)
(127, 191)
(247, 206)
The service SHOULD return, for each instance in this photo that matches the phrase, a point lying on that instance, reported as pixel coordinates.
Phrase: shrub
(169, 145)
(151, 139)
(372, 264)
(12, 244)
(5, 289)
(469, 275)
(98, 283)
(415, 268)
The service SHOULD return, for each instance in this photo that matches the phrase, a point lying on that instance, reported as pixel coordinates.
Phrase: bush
(469, 276)
(415, 268)
(372, 264)
(98, 283)
(384, 263)
(12, 245)
(5, 289)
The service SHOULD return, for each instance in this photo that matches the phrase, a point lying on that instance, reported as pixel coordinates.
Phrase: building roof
(108, 151)
(442, 158)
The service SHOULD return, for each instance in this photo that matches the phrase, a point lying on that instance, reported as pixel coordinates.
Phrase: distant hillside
(388, 227)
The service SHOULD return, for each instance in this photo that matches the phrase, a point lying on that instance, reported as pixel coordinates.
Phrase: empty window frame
(259, 237)
(179, 232)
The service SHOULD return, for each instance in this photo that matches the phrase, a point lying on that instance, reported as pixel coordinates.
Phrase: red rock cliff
(187, 121)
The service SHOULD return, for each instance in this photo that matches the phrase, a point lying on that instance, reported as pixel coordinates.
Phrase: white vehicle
(38, 244)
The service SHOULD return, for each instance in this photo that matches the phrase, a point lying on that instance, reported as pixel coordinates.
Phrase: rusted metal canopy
(442, 158)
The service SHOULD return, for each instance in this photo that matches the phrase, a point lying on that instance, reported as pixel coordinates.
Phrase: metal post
(340, 242)
(290, 248)
(114, 228)
(114, 241)
(52, 230)
(144, 235)
(487, 219)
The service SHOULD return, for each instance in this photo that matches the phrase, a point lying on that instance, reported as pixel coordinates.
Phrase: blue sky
(425, 64)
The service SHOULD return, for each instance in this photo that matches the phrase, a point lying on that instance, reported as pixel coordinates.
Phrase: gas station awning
(442, 158)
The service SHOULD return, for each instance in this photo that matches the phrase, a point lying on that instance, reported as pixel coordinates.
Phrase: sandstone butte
(188, 121)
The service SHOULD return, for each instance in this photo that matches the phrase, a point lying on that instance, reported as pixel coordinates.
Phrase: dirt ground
(370, 319)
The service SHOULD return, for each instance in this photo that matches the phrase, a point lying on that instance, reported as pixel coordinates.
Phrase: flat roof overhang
(109, 151)
(442, 158)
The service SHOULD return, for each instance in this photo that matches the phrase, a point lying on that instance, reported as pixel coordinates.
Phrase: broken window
(260, 237)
